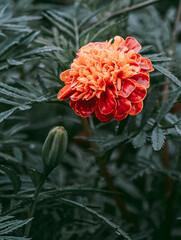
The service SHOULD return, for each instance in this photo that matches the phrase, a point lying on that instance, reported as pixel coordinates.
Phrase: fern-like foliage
(39, 40)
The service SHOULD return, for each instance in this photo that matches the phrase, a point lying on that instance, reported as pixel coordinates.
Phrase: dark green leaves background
(39, 40)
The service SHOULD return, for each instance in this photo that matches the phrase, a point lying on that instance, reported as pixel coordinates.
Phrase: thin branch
(125, 10)
(132, 8)
(174, 35)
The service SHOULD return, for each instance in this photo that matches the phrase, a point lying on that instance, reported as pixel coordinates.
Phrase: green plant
(118, 180)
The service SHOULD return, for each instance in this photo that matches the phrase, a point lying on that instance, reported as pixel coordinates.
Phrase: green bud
(54, 147)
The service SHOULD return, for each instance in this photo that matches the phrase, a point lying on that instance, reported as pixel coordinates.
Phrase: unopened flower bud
(54, 147)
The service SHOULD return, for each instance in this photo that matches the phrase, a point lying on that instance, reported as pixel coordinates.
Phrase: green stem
(34, 202)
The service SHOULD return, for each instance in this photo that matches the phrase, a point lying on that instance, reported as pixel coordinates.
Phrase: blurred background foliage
(141, 154)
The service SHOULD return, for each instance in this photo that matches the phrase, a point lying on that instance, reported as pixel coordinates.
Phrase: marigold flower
(107, 79)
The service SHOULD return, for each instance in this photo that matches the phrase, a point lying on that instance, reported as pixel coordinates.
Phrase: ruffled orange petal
(132, 44)
(136, 108)
(142, 79)
(65, 92)
(146, 65)
(102, 117)
(107, 102)
(77, 95)
(137, 95)
(65, 76)
(126, 88)
(123, 106)
(85, 108)
(120, 117)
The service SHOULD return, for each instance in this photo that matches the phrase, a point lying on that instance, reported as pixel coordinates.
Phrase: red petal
(65, 76)
(85, 108)
(142, 79)
(127, 86)
(123, 106)
(72, 105)
(120, 117)
(136, 108)
(107, 102)
(146, 65)
(132, 44)
(90, 94)
(102, 117)
(65, 92)
(77, 95)
(137, 57)
(138, 94)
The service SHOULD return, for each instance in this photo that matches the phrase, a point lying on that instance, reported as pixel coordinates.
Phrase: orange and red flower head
(108, 80)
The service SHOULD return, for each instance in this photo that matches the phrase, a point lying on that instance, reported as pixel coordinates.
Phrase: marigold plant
(94, 172)
(108, 80)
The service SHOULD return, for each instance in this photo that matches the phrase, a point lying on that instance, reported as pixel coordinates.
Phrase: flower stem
(34, 202)
(107, 177)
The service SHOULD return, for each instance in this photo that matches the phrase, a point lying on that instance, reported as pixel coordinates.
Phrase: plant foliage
(128, 187)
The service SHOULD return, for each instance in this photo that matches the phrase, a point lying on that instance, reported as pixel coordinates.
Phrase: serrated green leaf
(103, 30)
(41, 50)
(5, 101)
(139, 140)
(76, 190)
(149, 106)
(59, 26)
(158, 138)
(87, 30)
(23, 19)
(178, 128)
(171, 118)
(7, 156)
(14, 62)
(60, 19)
(7, 113)
(108, 144)
(27, 86)
(34, 175)
(10, 42)
(86, 19)
(24, 107)
(18, 154)
(167, 105)
(14, 95)
(15, 128)
(28, 39)
(160, 59)
(4, 218)
(13, 238)
(167, 73)
(63, 14)
(15, 27)
(90, 211)
(15, 179)
(11, 90)
(15, 224)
